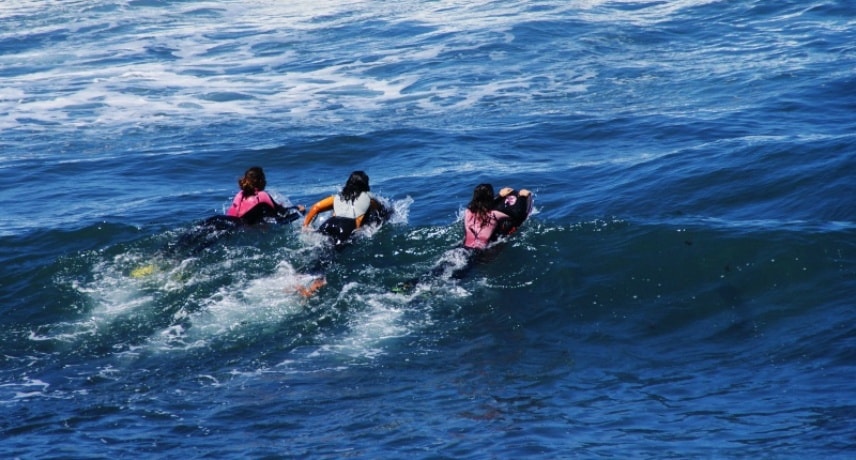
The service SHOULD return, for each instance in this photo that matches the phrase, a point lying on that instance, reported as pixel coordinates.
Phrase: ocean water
(684, 289)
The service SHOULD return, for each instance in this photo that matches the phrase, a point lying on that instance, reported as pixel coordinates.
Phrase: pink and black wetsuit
(251, 210)
(242, 205)
(517, 208)
(255, 208)
(479, 232)
(508, 214)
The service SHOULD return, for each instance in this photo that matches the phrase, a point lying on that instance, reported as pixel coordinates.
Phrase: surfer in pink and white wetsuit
(488, 217)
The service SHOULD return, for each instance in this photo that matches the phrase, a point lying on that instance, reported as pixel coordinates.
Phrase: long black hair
(482, 202)
(357, 183)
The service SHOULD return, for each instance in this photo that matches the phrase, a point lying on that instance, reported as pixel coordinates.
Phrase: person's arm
(508, 191)
(324, 205)
(499, 199)
(288, 215)
(277, 210)
(284, 211)
(499, 215)
(500, 219)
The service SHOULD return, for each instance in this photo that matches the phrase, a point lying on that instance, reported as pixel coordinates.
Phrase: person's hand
(505, 191)
(301, 208)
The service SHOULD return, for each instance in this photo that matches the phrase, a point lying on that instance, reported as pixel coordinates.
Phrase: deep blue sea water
(684, 289)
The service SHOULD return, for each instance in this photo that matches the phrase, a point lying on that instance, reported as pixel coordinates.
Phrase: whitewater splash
(143, 297)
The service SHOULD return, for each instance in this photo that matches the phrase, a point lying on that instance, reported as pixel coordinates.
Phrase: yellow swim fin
(143, 270)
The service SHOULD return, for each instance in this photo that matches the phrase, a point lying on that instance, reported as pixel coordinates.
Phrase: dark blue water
(684, 288)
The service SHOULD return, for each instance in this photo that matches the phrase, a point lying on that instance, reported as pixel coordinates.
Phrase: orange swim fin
(314, 286)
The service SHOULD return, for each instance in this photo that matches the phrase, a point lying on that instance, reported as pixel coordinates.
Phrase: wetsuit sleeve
(279, 209)
(271, 207)
(287, 215)
(324, 205)
(291, 212)
(502, 221)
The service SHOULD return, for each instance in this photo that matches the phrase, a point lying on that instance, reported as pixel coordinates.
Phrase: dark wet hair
(482, 202)
(253, 180)
(357, 183)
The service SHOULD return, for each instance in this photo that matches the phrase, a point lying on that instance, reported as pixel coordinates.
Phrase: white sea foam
(26, 388)
(241, 306)
(112, 295)
(369, 327)
(205, 70)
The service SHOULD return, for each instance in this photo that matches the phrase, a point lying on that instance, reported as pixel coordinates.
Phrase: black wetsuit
(516, 207)
(211, 229)
(339, 229)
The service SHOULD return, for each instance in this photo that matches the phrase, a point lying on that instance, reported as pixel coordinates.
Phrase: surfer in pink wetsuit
(252, 204)
(488, 217)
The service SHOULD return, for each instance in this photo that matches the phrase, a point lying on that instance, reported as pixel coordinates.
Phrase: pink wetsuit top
(478, 234)
(241, 205)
